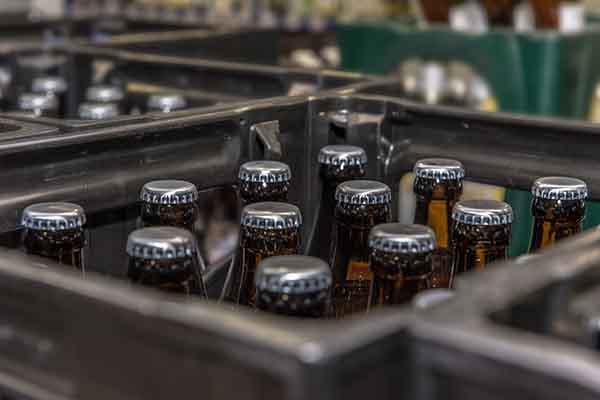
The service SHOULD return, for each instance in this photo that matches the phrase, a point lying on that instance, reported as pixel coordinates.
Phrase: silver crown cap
(560, 188)
(271, 216)
(363, 192)
(104, 94)
(440, 169)
(483, 212)
(98, 111)
(342, 155)
(402, 238)
(53, 217)
(265, 171)
(38, 101)
(161, 243)
(166, 102)
(49, 84)
(293, 275)
(169, 192)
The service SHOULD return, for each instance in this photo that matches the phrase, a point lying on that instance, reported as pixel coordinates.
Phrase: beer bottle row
(357, 258)
(48, 98)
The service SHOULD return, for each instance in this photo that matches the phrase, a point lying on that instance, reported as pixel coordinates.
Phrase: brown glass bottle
(169, 203)
(264, 181)
(165, 258)
(267, 229)
(400, 261)
(437, 11)
(296, 286)
(55, 231)
(547, 12)
(558, 210)
(338, 163)
(438, 187)
(361, 205)
(481, 234)
(500, 12)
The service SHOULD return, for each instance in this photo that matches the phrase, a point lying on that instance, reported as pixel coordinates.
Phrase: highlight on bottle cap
(104, 94)
(483, 212)
(363, 192)
(293, 275)
(49, 84)
(53, 217)
(342, 155)
(161, 243)
(265, 172)
(441, 169)
(166, 102)
(402, 238)
(38, 102)
(169, 192)
(270, 215)
(560, 188)
(98, 111)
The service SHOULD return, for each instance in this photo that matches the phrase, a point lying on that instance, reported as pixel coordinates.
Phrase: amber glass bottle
(297, 286)
(400, 261)
(438, 187)
(338, 163)
(165, 258)
(264, 181)
(267, 229)
(361, 205)
(55, 231)
(481, 234)
(558, 210)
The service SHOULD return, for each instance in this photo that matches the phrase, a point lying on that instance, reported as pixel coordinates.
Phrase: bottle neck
(65, 247)
(180, 216)
(307, 305)
(173, 275)
(256, 192)
(555, 220)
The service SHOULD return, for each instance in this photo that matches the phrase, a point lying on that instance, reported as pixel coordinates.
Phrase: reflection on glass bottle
(297, 286)
(264, 181)
(165, 258)
(338, 163)
(267, 229)
(55, 231)
(361, 205)
(558, 209)
(438, 187)
(481, 234)
(400, 261)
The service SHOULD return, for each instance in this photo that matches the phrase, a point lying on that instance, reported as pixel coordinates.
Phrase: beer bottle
(361, 205)
(400, 261)
(264, 181)
(338, 163)
(166, 258)
(55, 231)
(438, 187)
(297, 286)
(169, 203)
(166, 102)
(500, 12)
(558, 14)
(107, 94)
(437, 11)
(98, 111)
(558, 209)
(38, 104)
(481, 234)
(267, 229)
(52, 85)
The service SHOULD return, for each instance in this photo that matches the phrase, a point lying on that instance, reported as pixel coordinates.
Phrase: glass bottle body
(475, 246)
(555, 220)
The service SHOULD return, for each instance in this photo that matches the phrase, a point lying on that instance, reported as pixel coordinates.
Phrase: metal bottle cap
(161, 243)
(440, 169)
(483, 212)
(53, 217)
(402, 238)
(166, 102)
(271, 215)
(169, 192)
(293, 275)
(38, 102)
(49, 84)
(265, 171)
(342, 155)
(432, 297)
(98, 111)
(560, 188)
(104, 94)
(362, 192)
